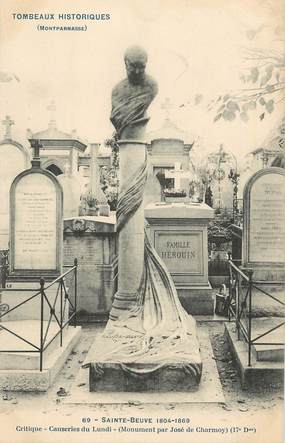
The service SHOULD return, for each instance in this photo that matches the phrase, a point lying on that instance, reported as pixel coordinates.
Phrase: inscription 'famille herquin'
(184, 254)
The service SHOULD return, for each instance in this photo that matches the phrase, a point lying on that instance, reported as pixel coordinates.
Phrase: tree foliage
(264, 88)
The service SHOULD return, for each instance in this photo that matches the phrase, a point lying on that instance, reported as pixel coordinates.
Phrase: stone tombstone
(93, 241)
(179, 233)
(13, 160)
(35, 225)
(181, 178)
(71, 193)
(264, 224)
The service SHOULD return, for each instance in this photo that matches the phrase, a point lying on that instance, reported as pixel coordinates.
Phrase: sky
(194, 47)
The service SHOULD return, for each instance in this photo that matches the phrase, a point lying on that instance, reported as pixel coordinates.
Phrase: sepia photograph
(142, 221)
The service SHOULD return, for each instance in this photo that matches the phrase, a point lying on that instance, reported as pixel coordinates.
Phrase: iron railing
(242, 289)
(4, 265)
(62, 310)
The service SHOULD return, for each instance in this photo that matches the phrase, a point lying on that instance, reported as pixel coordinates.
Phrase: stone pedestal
(131, 236)
(178, 232)
(172, 370)
(127, 357)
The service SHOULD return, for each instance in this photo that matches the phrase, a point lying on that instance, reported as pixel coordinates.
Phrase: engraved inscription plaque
(35, 228)
(267, 219)
(84, 250)
(181, 251)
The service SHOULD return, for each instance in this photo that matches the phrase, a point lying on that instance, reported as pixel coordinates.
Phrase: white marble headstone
(264, 222)
(266, 228)
(36, 224)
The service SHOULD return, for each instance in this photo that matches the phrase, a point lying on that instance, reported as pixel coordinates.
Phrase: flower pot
(93, 211)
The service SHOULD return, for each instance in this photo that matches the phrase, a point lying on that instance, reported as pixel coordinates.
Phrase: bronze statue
(132, 96)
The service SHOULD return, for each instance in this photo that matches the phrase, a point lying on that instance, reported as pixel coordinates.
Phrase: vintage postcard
(142, 221)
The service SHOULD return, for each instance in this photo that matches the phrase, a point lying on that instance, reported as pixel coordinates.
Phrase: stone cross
(167, 106)
(264, 158)
(36, 145)
(8, 123)
(177, 174)
(222, 155)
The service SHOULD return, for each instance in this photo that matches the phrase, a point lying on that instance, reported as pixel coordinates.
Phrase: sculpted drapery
(150, 328)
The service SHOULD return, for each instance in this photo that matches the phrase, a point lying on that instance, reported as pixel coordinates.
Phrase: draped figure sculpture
(148, 329)
(133, 95)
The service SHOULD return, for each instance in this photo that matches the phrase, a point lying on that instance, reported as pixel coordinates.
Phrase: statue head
(135, 60)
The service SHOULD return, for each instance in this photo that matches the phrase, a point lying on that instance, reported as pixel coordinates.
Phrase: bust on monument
(132, 96)
(149, 342)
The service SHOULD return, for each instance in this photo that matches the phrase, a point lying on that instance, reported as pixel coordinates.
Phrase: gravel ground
(258, 408)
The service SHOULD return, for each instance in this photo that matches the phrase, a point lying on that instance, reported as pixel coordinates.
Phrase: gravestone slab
(264, 224)
(92, 240)
(35, 225)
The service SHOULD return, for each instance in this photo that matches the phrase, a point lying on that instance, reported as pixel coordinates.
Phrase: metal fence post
(3, 267)
(238, 298)
(75, 291)
(230, 286)
(42, 284)
(60, 282)
(250, 273)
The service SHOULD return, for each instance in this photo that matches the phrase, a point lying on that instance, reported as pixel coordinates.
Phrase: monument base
(260, 373)
(166, 379)
(27, 379)
(168, 365)
(197, 300)
(179, 234)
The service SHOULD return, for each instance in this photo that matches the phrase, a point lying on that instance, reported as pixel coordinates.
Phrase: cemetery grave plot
(34, 335)
(257, 399)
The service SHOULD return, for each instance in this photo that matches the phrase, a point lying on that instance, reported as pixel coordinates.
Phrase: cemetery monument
(35, 326)
(263, 237)
(260, 296)
(264, 225)
(149, 342)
